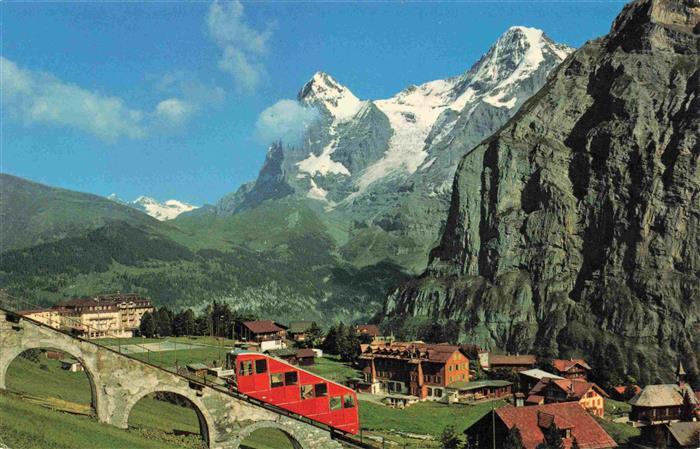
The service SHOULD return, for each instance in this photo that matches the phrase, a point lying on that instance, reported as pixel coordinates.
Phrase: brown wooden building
(415, 369)
(571, 368)
(550, 391)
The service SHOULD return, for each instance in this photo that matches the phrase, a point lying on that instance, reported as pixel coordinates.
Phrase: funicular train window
(246, 368)
(348, 401)
(276, 380)
(320, 390)
(290, 378)
(335, 402)
(261, 366)
(307, 391)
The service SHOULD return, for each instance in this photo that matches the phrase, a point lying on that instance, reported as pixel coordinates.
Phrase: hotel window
(438, 393)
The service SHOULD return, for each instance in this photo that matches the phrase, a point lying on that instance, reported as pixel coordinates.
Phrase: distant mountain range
(325, 231)
(168, 210)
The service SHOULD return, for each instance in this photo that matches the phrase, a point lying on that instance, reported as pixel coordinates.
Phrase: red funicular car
(276, 382)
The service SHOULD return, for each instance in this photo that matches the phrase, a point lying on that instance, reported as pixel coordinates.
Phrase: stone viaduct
(118, 382)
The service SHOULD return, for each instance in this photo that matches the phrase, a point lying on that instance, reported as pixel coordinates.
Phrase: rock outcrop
(576, 226)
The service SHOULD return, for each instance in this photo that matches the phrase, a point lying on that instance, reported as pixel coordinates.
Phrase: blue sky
(162, 98)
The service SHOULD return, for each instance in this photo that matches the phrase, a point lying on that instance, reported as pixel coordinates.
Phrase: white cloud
(245, 74)
(174, 110)
(241, 44)
(43, 98)
(286, 120)
(184, 85)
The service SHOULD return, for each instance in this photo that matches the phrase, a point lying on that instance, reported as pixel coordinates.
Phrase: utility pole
(493, 426)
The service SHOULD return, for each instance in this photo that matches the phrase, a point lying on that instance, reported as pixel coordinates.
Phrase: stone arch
(298, 441)
(8, 355)
(206, 421)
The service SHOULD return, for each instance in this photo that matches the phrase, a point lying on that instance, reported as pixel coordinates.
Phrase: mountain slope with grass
(34, 213)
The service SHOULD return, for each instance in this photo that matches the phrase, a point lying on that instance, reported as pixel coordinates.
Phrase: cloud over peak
(286, 120)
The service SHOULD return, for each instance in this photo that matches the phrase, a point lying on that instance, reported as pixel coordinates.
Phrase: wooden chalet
(589, 395)
(571, 368)
(267, 333)
(532, 422)
(298, 330)
(416, 369)
(665, 403)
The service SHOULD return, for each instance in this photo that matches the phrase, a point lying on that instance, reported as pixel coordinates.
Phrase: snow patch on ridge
(323, 164)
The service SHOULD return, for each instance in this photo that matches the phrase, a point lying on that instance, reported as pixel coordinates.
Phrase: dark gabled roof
(306, 352)
(664, 395)
(262, 327)
(297, 327)
(439, 353)
(531, 420)
(685, 433)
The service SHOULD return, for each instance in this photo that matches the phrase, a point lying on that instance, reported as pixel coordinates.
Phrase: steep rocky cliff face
(576, 227)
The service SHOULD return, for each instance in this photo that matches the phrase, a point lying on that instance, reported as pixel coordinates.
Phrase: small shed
(400, 400)
(306, 357)
(71, 365)
(198, 369)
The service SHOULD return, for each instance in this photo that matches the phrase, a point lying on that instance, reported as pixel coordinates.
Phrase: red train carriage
(276, 382)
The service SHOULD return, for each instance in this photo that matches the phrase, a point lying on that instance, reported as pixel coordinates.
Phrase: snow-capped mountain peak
(322, 90)
(167, 210)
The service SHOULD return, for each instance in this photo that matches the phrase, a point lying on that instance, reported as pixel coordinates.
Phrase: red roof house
(571, 368)
(533, 422)
(589, 395)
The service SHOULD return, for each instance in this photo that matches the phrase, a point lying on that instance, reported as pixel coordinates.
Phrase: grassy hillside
(280, 260)
(34, 213)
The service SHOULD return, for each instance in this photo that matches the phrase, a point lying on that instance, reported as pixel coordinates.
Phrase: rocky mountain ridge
(386, 166)
(576, 227)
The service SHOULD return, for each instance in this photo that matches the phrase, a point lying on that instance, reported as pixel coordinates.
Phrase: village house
(571, 369)
(367, 333)
(268, 334)
(532, 422)
(117, 315)
(416, 369)
(509, 362)
(665, 403)
(531, 377)
(589, 395)
(298, 330)
(301, 357)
